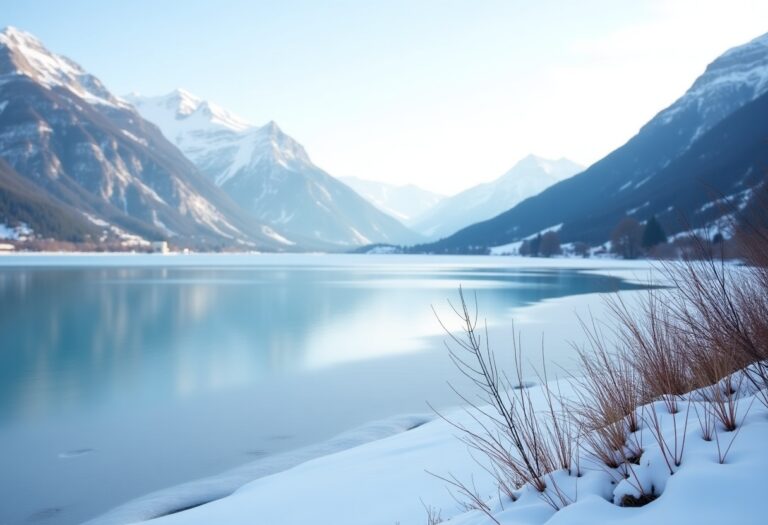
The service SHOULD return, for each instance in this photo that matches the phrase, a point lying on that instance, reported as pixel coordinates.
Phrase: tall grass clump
(523, 446)
(693, 345)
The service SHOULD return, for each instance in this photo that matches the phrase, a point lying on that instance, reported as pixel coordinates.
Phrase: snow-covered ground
(389, 481)
(220, 486)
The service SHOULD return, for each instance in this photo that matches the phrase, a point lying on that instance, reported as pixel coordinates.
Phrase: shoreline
(185, 496)
(530, 318)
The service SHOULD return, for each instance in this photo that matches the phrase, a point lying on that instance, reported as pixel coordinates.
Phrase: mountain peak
(184, 102)
(746, 63)
(279, 147)
(30, 57)
(182, 93)
(24, 55)
(14, 35)
(531, 158)
(760, 41)
(198, 127)
(738, 76)
(181, 111)
(534, 160)
(272, 128)
(560, 168)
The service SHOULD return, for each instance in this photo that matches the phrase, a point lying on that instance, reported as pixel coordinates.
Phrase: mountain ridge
(406, 202)
(269, 174)
(89, 151)
(528, 176)
(620, 180)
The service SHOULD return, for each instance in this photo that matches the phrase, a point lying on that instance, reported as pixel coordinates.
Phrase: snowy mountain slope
(636, 177)
(529, 176)
(90, 151)
(406, 203)
(269, 174)
(25, 56)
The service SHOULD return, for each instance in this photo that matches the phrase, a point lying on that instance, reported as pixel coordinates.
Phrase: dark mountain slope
(22, 203)
(655, 170)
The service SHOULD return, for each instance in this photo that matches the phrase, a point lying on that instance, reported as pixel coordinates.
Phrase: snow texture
(386, 481)
(216, 140)
(204, 490)
(32, 59)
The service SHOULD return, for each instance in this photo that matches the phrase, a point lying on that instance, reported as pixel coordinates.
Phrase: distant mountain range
(528, 177)
(693, 163)
(80, 164)
(407, 203)
(269, 174)
(72, 149)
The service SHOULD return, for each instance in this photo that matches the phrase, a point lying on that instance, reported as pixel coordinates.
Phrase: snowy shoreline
(388, 480)
(198, 492)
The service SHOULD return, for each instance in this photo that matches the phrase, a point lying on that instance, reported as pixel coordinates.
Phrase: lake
(120, 374)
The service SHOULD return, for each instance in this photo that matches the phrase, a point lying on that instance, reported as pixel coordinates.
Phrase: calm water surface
(120, 375)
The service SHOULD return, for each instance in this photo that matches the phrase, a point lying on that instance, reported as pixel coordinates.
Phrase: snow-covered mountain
(738, 76)
(688, 166)
(529, 176)
(269, 174)
(407, 202)
(90, 152)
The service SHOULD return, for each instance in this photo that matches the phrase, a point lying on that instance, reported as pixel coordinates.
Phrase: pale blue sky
(444, 94)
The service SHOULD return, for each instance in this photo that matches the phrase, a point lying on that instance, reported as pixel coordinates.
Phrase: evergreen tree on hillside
(653, 233)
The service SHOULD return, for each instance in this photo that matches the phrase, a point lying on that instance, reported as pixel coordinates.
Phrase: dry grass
(671, 449)
(468, 496)
(651, 344)
(434, 515)
(695, 346)
(522, 446)
(696, 335)
(606, 409)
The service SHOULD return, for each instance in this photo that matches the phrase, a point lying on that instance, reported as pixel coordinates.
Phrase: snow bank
(701, 490)
(207, 489)
(386, 481)
(381, 482)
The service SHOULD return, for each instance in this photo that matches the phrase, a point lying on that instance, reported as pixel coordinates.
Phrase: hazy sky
(443, 94)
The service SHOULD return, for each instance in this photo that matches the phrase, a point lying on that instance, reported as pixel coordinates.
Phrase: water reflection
(79, 336)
